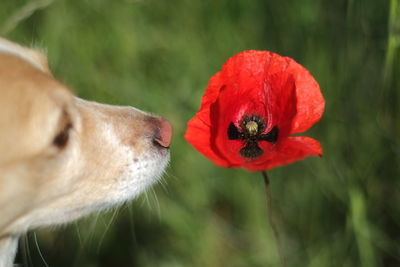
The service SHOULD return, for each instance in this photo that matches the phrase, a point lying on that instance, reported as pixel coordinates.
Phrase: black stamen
(251, 150)
(233, 132)
(271, 136)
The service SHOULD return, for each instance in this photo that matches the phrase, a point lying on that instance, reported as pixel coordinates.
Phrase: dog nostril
(163, 134)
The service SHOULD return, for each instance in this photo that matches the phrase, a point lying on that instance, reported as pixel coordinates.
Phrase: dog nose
(163, 134)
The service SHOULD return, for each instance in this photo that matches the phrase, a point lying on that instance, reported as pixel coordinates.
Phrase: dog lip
(157, 143)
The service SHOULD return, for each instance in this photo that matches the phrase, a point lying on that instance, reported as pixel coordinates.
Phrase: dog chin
(136, 177)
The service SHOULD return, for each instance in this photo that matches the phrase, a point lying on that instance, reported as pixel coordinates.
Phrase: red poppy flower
(250, 109)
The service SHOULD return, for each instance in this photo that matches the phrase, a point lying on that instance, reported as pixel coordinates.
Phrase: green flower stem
(273, 219)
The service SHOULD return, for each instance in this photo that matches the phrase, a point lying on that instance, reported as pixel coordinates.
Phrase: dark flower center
(251, 132)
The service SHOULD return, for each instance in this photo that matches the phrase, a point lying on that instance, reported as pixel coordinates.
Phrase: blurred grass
(339, 210)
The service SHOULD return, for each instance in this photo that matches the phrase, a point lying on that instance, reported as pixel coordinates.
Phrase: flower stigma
(252, 127)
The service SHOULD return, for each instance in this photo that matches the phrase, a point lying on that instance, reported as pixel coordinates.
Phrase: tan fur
(110, 156)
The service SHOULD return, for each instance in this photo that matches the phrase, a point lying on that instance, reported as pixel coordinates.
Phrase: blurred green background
(339, 210)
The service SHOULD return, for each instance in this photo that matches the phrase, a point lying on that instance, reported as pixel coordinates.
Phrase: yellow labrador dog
(62, 157)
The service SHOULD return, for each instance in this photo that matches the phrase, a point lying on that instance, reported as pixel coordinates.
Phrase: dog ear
(36, 57)
(30, 106)
(26, 122)
(19, 140)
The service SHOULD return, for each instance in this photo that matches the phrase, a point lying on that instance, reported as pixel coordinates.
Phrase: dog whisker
(38, 249)
(92, 229)
(26, 255)
(163, 182)
(157, 203)
(132, 224)
(146, 200)
(113, 216)
(78, 233)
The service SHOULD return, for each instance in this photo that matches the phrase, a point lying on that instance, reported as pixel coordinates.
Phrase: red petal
(260, 64)
(310, 102)
(290, 150)
(198, 134)
(231, 107)
(280, 90)
(242, 72)
(212, 91)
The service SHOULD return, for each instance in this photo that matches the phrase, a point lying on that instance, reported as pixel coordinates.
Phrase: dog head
(62, 157)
